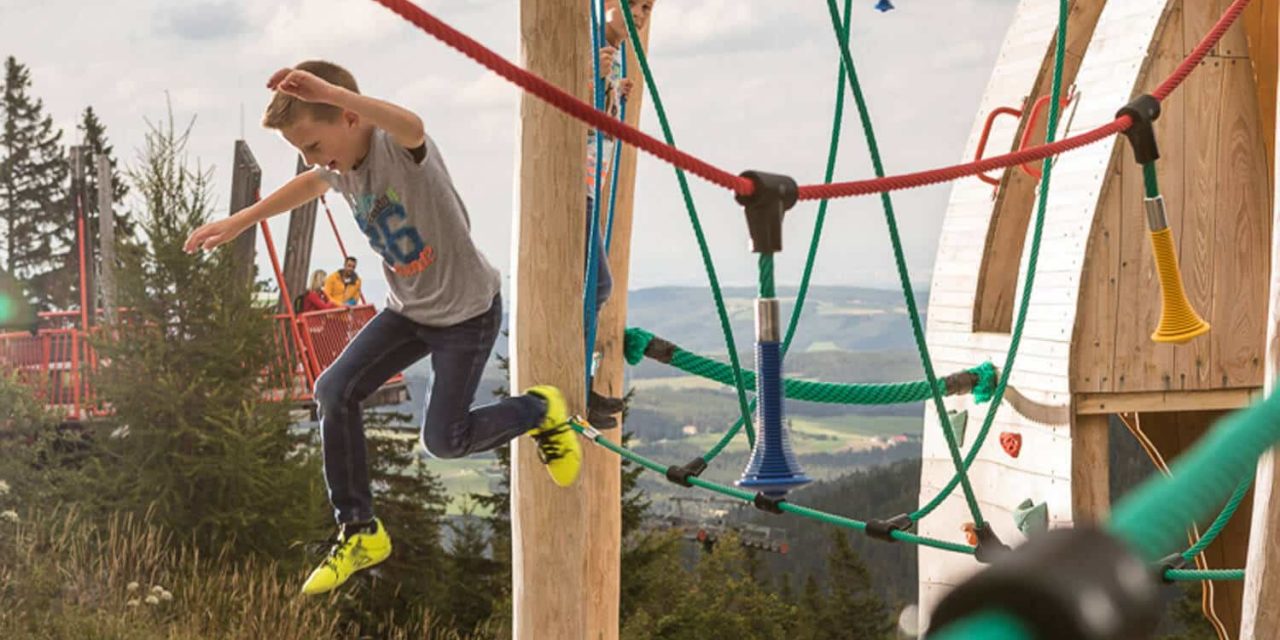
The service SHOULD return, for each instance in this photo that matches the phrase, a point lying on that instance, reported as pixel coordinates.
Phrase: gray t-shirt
(414, 218)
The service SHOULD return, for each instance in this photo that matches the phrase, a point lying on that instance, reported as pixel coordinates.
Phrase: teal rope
(764, 266)
(637, 340)
(899, 258)
(837, 121)
(1223, 518)
(1149, 180)
(707, 263)
(1033, 258)
(1191, 575)
(1154, 516)
(747, 496)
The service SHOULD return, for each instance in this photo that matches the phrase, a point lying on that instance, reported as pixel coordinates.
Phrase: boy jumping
(443, 301)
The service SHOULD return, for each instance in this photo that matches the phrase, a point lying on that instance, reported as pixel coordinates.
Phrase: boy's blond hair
(285, 109)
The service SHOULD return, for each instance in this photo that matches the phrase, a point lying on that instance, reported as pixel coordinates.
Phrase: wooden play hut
(1087, 356)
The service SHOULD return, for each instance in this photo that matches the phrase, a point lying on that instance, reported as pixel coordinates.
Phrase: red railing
(57, 363)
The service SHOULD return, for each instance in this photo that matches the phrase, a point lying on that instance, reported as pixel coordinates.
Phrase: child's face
(640, 12)
(338, 145)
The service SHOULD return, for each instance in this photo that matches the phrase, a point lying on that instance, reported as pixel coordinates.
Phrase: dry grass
(63, 576)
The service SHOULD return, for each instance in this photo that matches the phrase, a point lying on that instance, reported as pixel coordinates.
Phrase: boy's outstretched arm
(404, 126)
(303, 188)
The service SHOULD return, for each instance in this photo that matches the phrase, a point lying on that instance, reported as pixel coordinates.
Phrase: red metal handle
(1034, 169)
(986, 133)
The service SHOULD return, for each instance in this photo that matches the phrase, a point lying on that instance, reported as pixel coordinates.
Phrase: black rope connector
(771, 504)
(773, 195)
(1143, 111)
(1169, 563)
(660, 350)
(602, 410)
(691, 469)
(883, 529)
(960, 383)
(1067, 584)
(989, 547)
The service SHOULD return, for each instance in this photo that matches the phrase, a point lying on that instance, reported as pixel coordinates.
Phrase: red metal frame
(986, 133)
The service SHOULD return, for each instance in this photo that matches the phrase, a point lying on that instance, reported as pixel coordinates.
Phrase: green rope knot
(634, 344)
(985, 388)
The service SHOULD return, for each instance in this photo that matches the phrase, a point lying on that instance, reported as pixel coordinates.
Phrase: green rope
(1154, 516)
(693, 219)
(749, 497)
(765, 268)
(1033, 257)
(1223, 518)
(812, 390)
(1149, 180)
(1190, 575)
(634, 343)
(836, 123)
(899, 258)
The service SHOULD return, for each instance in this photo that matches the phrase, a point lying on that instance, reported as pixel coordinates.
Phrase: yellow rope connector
(1179, 322)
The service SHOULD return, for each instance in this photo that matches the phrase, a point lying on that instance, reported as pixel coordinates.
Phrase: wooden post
(1260, 618)
(297, 249)
(1090, 469)
(246, 177)
(548, 523)
(107, 236)
(602, 475)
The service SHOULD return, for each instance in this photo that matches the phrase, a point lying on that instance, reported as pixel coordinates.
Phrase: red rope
(561, 100)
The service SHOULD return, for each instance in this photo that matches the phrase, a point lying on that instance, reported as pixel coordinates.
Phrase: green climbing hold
(634, 344)
(1031, 518)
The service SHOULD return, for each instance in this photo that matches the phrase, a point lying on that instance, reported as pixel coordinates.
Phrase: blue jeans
(604, 278)
(451, 429)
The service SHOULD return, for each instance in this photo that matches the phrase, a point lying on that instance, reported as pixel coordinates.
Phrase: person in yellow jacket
(343, 286)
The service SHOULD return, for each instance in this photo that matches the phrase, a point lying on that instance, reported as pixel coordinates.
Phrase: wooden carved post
(548, 523)
(246, 177)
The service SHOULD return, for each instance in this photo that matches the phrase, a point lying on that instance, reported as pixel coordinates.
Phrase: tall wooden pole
(602, 475)
(1260, 618)
(107, 236)
(80, 198)
(548, 523)
(246, 177)
(297, 248)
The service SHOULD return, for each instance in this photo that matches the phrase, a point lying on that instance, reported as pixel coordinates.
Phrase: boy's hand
(606, 60)
(302, 85)
(213, 234)
(625, 87)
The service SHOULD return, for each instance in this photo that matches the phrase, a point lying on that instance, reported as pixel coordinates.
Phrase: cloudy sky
(748, 84)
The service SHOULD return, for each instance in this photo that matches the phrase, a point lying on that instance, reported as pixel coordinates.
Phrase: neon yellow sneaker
(349, 555)
(558, 445)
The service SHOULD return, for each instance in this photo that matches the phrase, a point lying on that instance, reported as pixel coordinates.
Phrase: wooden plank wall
(1262, 29)
(997, 280)
(1215, 178)
(1038, 404)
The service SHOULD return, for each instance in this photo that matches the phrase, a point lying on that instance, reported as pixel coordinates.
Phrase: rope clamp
(771, 198)
(989, 547)
(772, 504)
(587, 430)
(1143, 111)
(883, 529)
(1170, 563)
(691, 469)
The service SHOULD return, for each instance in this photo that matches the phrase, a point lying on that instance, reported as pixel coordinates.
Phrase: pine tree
(37, 235)
(852, 611)
(193, 442)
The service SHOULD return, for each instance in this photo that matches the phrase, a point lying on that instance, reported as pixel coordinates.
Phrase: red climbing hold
(970, 533)
(1012, 443)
